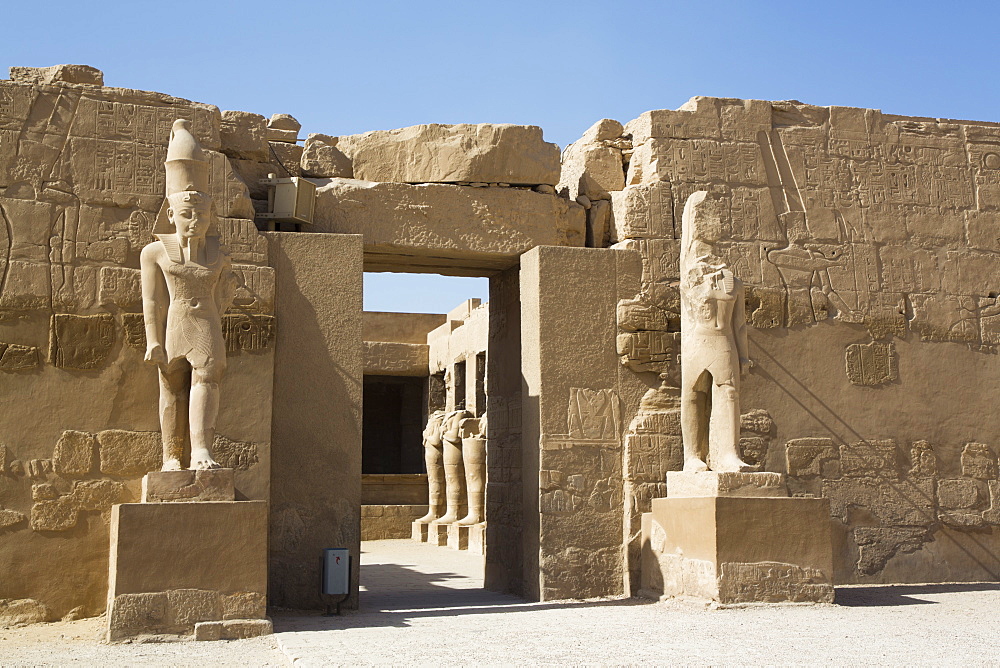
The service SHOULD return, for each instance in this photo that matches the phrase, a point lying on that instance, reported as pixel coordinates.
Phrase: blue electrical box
(336, 571)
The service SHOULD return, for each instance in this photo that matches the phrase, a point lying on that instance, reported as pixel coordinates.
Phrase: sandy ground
(423, 605)
(79, 644)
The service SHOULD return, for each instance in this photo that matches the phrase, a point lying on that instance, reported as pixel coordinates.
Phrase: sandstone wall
(81, 181)
(869, 246)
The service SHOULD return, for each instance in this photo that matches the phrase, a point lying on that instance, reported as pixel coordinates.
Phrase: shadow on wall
(918, 502)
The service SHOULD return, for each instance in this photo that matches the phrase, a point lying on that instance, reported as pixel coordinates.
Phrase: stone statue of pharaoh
(473, 433)
(187, 284)
(713, 343)
(454, 474)
(434, 459)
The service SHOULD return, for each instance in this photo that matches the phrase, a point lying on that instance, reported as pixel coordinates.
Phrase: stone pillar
(316, 423)
(571, 439)
(737, 538)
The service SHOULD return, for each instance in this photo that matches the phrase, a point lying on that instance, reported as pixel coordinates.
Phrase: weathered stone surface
(805, 457)
(145, 612)
(877, 545)
(906, 502)
(17, 612)
(322, 159)
(395, 359)
(643, 211)
(244, 605)
(234, 454)
(873, 363)
(200, 485)
(186, 607)
(683, 484)
(63, 512)
(874, 458)
(287, 157)
(285, 122)
(10, 518)
(15, 357)
(74, 74)
(592, 166)
(978, 461)
(129, 453)
(485, 153)
(233, 629)
(453, 226)
(81, 341)
(244, 135)
(923, 460)
(255, 289)
(74, 453)
(119, 287)
(958, 494)
(248, 332)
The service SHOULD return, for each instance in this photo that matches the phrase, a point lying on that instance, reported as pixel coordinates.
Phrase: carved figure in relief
(713, 344)
(453, 472)
(434, 459)
(473, 432)
(187, 284)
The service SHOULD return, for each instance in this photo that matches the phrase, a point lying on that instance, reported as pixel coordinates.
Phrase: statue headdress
(187, 167)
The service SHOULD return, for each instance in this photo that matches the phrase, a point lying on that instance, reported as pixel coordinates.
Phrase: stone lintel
(204, 485)
(685, 484)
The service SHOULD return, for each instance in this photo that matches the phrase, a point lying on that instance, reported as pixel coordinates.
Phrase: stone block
(205, 485)
(978, 461)
(129, 453)
(20, 611)
(437, 534)
(187, 553)
(74, 453)
(484, 153)
(244, 135)
(738, 550)
(390, 521)
(322, 159)
(458, 537)
(81, 341)
(15, 357)
(244, 605)
(477, 539)
(592, 170)
(287, 157)
(395, 359)
(446, 226)
(643, 211)
(419, 531)
(10, 518)
(186, 607)
(74, 74)
(684, 484)
(233, 629)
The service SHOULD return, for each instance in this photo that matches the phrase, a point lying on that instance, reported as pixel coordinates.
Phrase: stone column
(316, 423)
(572, 468)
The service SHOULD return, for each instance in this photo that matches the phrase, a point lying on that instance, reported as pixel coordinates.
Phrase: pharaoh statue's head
(188, 209)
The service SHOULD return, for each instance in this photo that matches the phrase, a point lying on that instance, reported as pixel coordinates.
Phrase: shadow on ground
(893, 595)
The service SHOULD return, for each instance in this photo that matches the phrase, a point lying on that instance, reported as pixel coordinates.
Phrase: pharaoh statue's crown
(186, 164)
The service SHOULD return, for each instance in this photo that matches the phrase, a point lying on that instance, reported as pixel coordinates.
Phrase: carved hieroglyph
(713, 344)
(187, 284)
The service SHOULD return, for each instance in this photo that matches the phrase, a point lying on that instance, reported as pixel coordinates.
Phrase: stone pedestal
(176, 565)
(207, 485)
(458, 536)
(419, 531)
(477, 538)
(437, 534)
(736, 538)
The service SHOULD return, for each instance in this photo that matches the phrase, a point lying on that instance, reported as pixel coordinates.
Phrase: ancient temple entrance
(425, 384)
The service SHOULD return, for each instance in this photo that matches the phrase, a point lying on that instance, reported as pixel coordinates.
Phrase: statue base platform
(175, 565)
(437, 534)
(760, 547)
(205, 485)
(458, 536)
(725, 483)
(477, 538)
(418, 531)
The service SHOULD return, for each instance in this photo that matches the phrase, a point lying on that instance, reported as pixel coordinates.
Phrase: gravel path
(423, 605)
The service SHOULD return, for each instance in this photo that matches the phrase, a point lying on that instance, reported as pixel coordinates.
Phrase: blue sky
(343, 68)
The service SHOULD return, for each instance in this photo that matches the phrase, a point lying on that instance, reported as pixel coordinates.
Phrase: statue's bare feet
(733, 464)
(201, 460)
(694, 464)
(172, 464)
(448, 518)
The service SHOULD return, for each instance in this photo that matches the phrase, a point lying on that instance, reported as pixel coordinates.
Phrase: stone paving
(425, 605)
